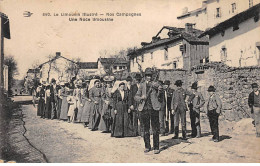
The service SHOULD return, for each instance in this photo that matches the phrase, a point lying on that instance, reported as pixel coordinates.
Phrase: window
(251, 3)
(233, 5)
(166, 53)
(235, 26)
(217, 12)
(174, 65)
(151, 55)
(115, 67)
(207, 60)
(142, 58)
(120, 67)
(123, 67)
(223, 54)
(201, 61)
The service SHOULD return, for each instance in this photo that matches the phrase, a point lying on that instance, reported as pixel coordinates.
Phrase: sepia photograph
(130, 81)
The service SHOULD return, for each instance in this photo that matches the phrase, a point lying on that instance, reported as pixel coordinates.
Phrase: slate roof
(88, 65)
(179, 34)
(113, 60)
(240, 17)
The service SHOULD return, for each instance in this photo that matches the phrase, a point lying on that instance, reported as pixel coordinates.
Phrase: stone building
(59, 67)
(236, 41)
(213, 12)
(171, 48)
(112, 65)
(4, 33)
(87, 69)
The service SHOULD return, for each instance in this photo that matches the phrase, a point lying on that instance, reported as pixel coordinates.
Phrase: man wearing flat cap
(179, 108)
(149, 98)
(254, 104)
(214, 106)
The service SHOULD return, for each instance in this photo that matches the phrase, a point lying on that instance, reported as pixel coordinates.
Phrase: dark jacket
(178, 99)
(54, 93)
(251, 101)
(132, 93)
(155, 95)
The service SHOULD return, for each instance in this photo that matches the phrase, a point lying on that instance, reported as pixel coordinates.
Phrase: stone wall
(233, 85)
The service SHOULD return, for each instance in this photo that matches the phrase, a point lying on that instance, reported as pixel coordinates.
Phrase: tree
(73, 67)
(12, 71)
(52, 64)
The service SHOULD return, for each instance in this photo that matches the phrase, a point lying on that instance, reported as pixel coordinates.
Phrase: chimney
(57, 54)
(188, 27)
(185, 10)
(204, 3)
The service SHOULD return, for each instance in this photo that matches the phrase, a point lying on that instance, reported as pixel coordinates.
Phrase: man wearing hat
(165, 114)
(196, 103)
(179, 108)
(254, 104)
(54, 98)
(133, 104)
(149, 98)
(214, 106)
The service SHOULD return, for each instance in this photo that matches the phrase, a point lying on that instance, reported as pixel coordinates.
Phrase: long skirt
(59, 102)
(122, 122)
(48, 108)
(41, 107)
(79, 112)
(104, 124)
(64, 109)
(85, 112)
(95, 116)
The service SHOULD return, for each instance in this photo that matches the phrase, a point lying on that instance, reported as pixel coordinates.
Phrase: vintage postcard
(129, 81)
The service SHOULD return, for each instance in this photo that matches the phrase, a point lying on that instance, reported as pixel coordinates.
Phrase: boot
(184, 135)
(176, 133)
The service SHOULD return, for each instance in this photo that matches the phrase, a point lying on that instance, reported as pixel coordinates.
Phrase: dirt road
(67, 142)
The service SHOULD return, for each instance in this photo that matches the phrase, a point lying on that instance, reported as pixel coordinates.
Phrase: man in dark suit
(149, 98)
(254, 104)
(54, 98)
(179, 108)
(166, 117)
(133, 104)
(213, 111)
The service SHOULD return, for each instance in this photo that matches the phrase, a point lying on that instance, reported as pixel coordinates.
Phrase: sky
(34, 38)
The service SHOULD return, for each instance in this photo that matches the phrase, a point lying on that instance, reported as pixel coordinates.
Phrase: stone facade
(233, 85)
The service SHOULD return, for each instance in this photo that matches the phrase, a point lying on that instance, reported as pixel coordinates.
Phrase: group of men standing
(163, 108)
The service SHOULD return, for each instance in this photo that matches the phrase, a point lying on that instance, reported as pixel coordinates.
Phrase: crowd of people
(128, 108)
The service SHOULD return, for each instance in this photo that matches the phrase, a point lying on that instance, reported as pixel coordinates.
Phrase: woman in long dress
(64, 103)
(95, 96)
(86, 103)
(105, 121)
(120, 105)
(47, 113)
